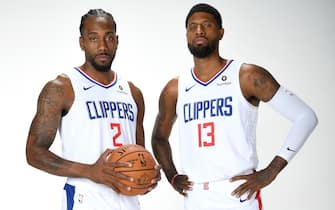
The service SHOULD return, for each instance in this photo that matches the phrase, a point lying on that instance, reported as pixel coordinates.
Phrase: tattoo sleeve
(44, 128)
(264, 85)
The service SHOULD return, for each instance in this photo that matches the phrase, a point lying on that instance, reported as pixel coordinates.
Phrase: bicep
(47, 118)
(257, 83)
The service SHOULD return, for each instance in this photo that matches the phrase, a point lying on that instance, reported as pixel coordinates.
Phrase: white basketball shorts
(77, 197)
(217, 196)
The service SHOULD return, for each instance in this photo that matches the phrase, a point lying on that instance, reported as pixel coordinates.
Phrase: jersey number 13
(206, 137)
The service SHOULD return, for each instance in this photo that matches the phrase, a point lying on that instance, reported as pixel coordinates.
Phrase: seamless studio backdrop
(294, 40)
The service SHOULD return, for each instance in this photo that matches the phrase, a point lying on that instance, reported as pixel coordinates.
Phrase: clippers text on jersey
(208, 108)
(108, 109)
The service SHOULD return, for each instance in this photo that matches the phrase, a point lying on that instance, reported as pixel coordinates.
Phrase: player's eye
(93, 39)
(192, 26)
(207, 24)
(110, 38)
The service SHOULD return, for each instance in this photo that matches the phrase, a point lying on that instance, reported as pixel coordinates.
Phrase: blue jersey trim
(96, 82)
(211, 80)
(70, 190)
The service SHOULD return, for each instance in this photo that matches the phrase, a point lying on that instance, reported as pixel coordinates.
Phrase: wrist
(277, 164)
(172, 181)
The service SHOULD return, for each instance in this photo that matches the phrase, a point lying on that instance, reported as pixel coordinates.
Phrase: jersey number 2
(206, 129)
(117, 134)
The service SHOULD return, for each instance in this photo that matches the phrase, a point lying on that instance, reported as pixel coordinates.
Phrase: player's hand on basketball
(103, 172)
(253, 182)
(181, 184)
(155, 180)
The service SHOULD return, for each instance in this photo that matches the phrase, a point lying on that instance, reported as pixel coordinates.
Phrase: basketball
(142, 170)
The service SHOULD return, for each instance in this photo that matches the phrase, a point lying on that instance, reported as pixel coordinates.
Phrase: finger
(186, 185)
(190, 184)
(240, 190)
(119, 185)
(155, 180)
(153, 186)
(183, 192)
(114, 188)
(158, 176)
(107, 153)
(116, 185)
(251, 193)
(149, 190)
(121, 164)
(158, 167)
(240, 177)
(119, 175)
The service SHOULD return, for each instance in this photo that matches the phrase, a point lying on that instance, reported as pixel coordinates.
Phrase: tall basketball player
(216, 103)
(95, 110)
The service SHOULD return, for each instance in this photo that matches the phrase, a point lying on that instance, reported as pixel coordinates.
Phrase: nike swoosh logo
(189, 88)
(242, 200)
(291, 150)
(89, 87)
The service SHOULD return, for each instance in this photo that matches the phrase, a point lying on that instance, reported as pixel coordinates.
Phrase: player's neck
(102, 77)
(206, 68)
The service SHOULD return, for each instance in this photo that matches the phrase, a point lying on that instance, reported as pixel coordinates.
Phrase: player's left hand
(254, 182)
(259, 179)
(155, 181)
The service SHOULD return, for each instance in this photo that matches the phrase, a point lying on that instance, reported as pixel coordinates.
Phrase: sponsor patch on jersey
(224, 81)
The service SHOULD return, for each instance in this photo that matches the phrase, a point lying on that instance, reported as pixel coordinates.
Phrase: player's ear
(221, 33)
(117, 41)
(81, 43)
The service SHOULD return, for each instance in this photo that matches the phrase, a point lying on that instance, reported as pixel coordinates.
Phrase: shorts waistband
(205, 185)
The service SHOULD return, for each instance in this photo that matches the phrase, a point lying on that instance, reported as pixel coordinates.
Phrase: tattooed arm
(160, 136)
(257, 85)
(55, 101)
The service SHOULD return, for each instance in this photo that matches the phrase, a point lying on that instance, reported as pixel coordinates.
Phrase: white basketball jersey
(101, 117)
(217, 126)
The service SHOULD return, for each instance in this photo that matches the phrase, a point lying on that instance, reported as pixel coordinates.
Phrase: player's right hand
(181, 184)
(102, 171)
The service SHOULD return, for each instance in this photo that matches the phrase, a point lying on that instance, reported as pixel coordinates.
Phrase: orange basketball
(142, 170)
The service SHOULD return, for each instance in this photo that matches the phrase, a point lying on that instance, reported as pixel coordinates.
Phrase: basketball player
(216, 103)
(95, 110)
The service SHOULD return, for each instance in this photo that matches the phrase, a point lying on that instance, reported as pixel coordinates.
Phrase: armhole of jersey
(70, 75)
(243, 99)
(130, 91)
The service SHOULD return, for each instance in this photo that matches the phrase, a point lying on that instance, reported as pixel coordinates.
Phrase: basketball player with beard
(95, 111)
(216, 103)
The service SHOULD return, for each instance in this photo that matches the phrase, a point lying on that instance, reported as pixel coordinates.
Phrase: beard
(203, 50)
(105, 67)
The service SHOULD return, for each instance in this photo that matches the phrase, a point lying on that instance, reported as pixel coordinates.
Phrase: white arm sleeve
(300, 114)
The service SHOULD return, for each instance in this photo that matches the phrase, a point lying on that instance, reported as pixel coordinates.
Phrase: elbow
(29, 157)
(32, 157)
(309, 118)
(312, 119)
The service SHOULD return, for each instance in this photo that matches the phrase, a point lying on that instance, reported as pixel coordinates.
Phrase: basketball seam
(129, 154)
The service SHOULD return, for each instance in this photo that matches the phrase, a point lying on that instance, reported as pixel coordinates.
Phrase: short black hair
(96, 13)
(202, 7)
